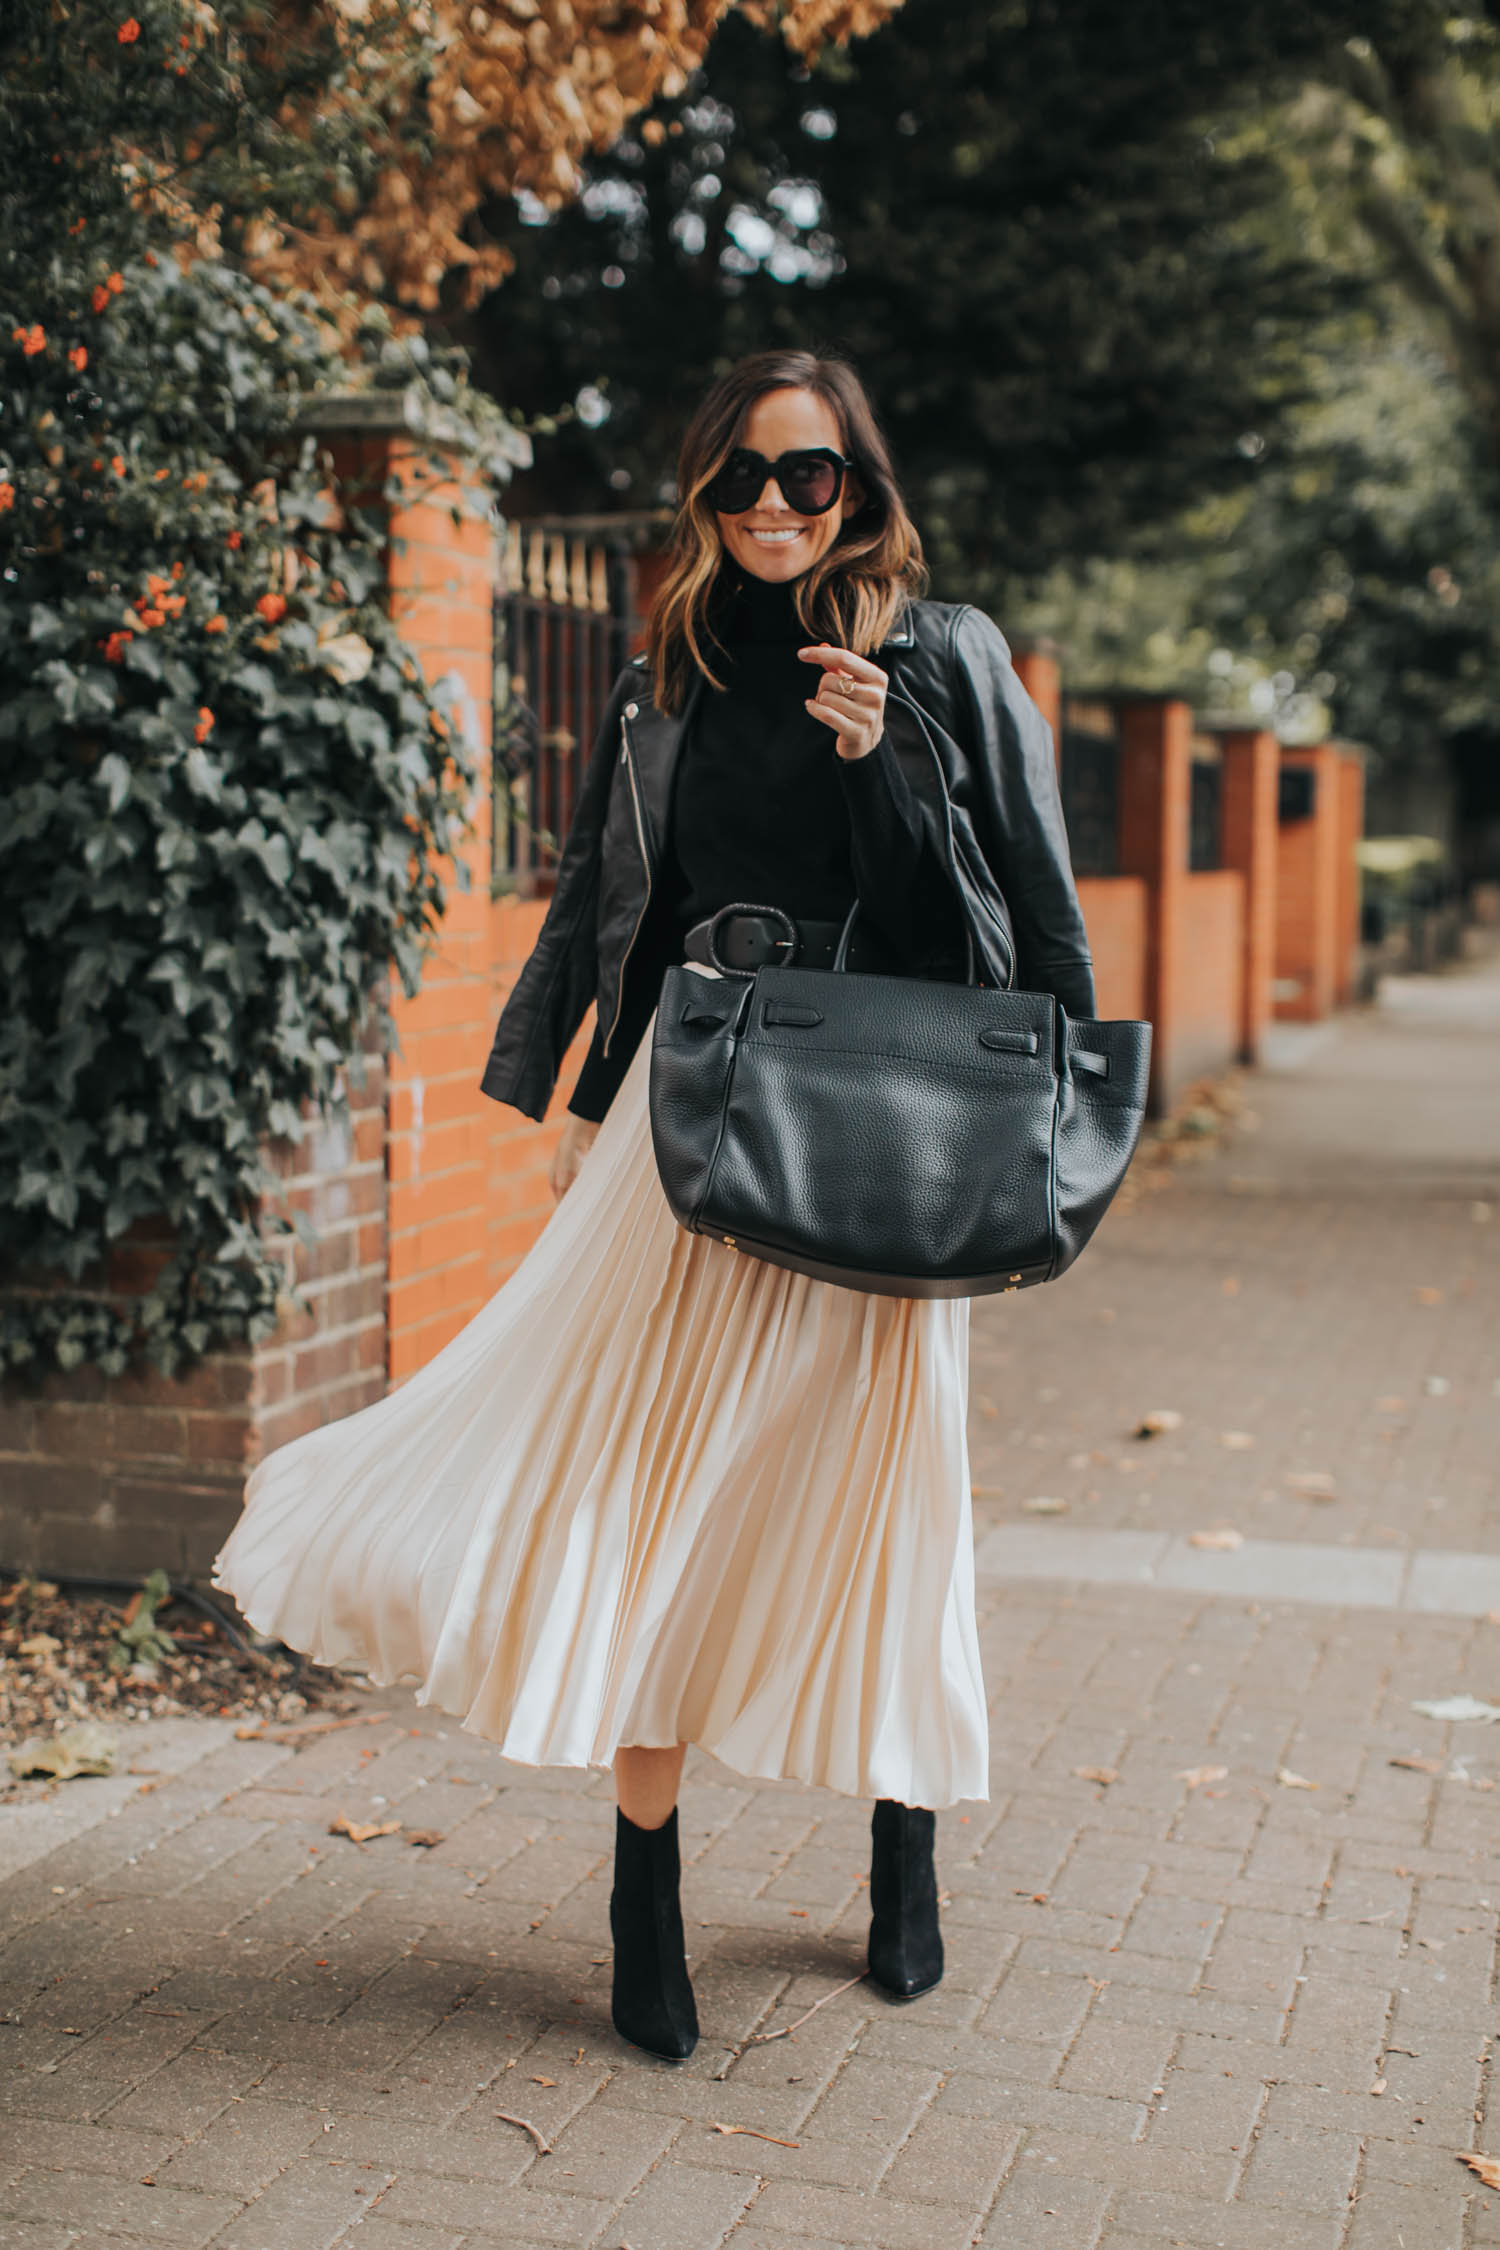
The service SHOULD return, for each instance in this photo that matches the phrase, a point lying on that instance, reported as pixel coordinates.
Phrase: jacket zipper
(640, 830)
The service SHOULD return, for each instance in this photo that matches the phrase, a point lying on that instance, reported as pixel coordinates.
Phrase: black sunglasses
(811, 480)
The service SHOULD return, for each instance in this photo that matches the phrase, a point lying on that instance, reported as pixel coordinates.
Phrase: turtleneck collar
(756, 610)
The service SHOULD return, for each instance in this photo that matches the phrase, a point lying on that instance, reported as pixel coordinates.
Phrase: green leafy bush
(225, 792)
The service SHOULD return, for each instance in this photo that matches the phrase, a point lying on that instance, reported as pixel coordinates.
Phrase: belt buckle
(765, 913)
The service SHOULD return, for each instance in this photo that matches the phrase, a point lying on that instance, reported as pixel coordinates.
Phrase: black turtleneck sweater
(763, 808)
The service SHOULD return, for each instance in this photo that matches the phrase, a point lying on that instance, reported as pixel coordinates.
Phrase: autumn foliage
(517, 95)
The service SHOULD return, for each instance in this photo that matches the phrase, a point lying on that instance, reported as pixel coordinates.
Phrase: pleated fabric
(656, 1491)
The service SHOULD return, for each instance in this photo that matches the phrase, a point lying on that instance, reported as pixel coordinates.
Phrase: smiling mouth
(777, 538)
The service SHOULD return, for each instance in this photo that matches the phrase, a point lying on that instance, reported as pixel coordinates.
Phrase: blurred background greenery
(1185, 322)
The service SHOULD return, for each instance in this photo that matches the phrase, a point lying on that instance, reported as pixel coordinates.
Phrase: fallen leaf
(1290, 1780)
(40, 1644)
(294, 1735)
(1195, 1776)
(1045, 1506)
(1104, 1775)
(988, 1491)
(1225, 1539)
(1429, 1296)
(1236, 1441)
(1390, 1405)
(544, 2148)
(542, 2081)
(1378, 2087)
(754, 2133)
(1158, 1422)
(360, 1831)
(1488, 2168)
(1418, 1765)
(427, 1837)
(84, 1748)
(1313, 1484)
(1459, 1708)
(1230, 1285)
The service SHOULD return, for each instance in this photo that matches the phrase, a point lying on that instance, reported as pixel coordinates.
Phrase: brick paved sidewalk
(1182, 2007)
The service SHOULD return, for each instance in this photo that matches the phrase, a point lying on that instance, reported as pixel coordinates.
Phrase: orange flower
(205, 726)
(159, 476)
(78, 358)
(128, 32)
(151, 616)
(156, 586)
(117, 463)
(114, 283)
(272, 607)
(7, 496)
(152, 259)
(177, 569)
(233, 538)
(100, 297)
(114, 647)
(78, 226)
(31, 340)
(218, 623)
(173, 604)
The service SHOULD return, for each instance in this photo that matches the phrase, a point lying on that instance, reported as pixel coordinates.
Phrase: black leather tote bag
(890, 1134)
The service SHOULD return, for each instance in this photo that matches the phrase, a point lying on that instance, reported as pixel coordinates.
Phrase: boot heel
(906, 1945)
(651, 1999)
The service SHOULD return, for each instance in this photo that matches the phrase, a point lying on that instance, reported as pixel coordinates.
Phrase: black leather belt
(745, 938)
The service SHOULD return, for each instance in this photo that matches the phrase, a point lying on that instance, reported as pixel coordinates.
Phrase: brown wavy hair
(852, 595)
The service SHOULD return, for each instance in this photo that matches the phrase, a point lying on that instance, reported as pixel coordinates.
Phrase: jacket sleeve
(551, 996)
(1020, 816)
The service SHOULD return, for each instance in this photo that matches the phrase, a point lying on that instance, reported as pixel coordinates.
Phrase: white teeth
(775, 538)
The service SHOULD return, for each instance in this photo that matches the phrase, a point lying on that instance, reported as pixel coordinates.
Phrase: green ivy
(225, 791)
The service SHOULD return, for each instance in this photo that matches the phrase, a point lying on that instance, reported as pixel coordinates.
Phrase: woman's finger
(843, 660)
(853, 694)
(848, 725)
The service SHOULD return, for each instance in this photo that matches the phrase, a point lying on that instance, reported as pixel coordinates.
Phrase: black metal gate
(1090, 780)
(564, 626)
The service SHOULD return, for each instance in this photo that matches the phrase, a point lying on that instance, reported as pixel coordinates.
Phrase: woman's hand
(578, 1137)
(850, 698)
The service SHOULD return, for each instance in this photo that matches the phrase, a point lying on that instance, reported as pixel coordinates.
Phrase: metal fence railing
(1204, 814)
(1090, 780)
(564, 626)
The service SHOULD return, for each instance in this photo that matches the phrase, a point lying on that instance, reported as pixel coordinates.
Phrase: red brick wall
(1307, 894)
(104, 1475)
(1346, 911)
(1114, 910)
(1209, 987)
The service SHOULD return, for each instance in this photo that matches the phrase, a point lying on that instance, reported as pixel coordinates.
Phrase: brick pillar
(1351, 828)
(1156, 735)
(1039, 670)
(1308, 889)
(442, 577)
(1251, 761)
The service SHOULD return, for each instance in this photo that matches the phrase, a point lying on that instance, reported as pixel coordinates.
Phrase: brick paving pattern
(1181, 2007)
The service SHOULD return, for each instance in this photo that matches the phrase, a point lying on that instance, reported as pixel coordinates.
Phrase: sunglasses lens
(810, 482)
(739, 483)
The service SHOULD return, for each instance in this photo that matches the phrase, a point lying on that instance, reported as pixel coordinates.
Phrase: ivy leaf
(114, 773)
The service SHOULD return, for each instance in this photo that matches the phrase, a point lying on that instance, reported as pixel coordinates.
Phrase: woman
(657, 1492)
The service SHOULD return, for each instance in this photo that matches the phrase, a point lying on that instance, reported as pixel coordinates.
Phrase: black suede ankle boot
(652, 2000)
(906, 1946)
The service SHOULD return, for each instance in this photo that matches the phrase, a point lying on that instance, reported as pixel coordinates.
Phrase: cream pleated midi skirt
(655, 1492)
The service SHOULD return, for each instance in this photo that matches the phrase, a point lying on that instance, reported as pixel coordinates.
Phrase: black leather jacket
(978, 755)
